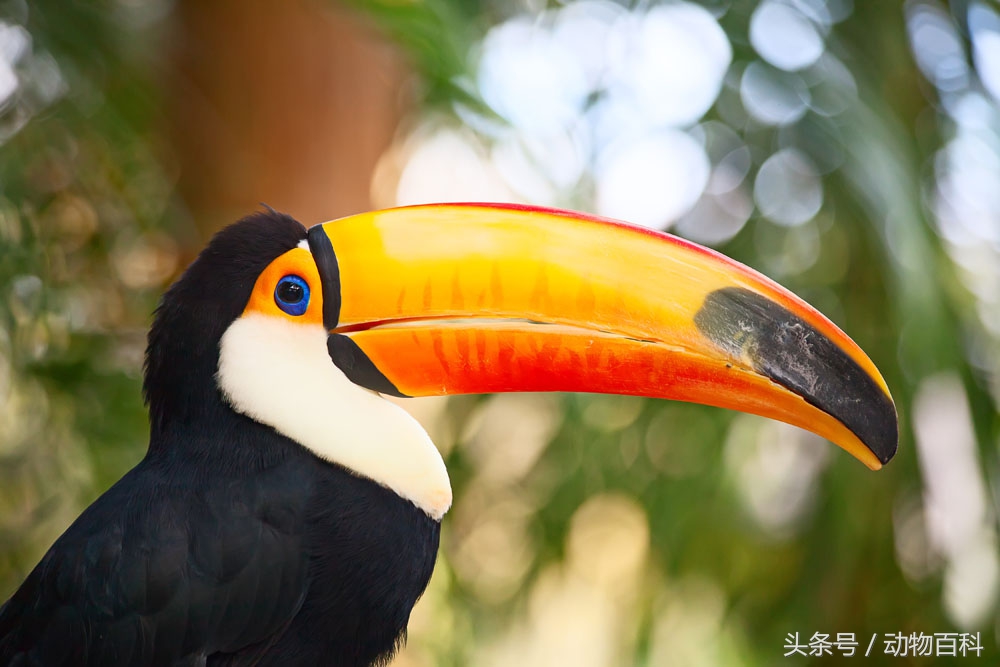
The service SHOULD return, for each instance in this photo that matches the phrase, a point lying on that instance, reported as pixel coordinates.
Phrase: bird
(287, 513)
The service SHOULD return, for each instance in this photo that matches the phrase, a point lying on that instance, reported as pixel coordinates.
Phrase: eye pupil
(291, 294)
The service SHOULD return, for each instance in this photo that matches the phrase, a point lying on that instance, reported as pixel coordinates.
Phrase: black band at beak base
(329, 273)
(356, 365)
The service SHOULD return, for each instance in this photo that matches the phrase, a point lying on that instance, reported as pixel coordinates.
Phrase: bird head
(305, 331)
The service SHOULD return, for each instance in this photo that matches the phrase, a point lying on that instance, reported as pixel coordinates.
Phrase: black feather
(228, 544)
(197, 310)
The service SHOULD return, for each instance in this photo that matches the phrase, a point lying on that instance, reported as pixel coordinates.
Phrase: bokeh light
(800, 137)
(784, 37)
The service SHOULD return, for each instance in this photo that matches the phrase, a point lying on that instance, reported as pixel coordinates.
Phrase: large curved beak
(477, 298)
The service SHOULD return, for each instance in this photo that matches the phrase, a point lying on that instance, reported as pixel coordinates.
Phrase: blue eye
(292, 295)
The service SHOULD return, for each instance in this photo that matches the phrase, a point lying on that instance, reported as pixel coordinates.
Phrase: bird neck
(189, 419)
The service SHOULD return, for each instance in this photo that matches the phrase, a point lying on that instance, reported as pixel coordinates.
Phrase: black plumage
(228, 544)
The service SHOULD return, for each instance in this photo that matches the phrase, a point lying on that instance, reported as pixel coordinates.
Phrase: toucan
(286, 513)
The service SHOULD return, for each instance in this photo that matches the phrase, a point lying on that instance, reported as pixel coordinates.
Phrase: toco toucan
(287, 514)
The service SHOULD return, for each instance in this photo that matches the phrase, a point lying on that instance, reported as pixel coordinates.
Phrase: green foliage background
(82, 190)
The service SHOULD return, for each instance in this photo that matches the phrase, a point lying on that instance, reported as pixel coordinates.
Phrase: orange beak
(479, 298)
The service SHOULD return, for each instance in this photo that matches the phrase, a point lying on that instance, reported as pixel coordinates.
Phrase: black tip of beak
(785, 348)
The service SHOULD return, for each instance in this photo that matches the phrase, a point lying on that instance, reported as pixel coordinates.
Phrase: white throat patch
(279, 373)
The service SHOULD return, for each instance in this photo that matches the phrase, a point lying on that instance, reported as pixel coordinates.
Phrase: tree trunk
(288, 104)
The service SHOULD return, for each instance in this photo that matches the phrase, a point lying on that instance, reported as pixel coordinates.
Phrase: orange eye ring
(294, 268)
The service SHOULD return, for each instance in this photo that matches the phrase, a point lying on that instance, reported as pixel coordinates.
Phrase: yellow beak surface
(476, 298)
